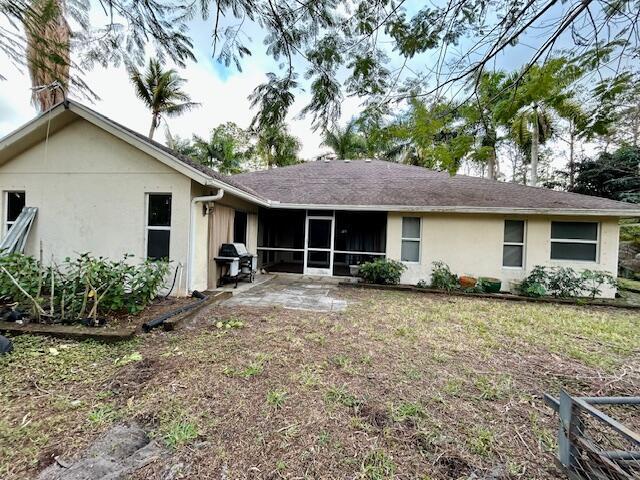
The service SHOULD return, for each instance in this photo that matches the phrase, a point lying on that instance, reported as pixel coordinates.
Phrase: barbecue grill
(235, 263)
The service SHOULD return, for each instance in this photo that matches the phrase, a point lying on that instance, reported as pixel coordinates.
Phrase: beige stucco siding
(472, 245)
(90, 189)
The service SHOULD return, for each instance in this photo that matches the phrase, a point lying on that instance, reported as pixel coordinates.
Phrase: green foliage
(276, 147)
(346, 142)
(481, 441)
(382, 271)
(595, 280)
(442, 277)
(630, 233)
(377, 465)
(276, 398)
(564, 282)
(28, 274)
(433, 136)
(82, 287)
(180, 432)
(161, 91)
(534, 285)
(226, 149)
(611, 175)
(343, 396)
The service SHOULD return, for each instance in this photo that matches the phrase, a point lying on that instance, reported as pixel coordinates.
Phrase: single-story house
(102, 188)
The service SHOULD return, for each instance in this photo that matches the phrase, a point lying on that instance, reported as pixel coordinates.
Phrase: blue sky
(221, 91)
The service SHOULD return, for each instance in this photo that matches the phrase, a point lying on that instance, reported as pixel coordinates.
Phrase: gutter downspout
(192, 232)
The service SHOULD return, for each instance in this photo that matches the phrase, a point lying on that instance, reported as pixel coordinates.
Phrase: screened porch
(319, 242)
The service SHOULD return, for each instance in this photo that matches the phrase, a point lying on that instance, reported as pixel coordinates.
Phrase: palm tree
(277, 147)
(161, 91)
(48, 52)
(532, 127)
(345, 142)
(225, 150)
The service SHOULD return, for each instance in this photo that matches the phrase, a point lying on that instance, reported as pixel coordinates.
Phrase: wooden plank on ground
(69, 331)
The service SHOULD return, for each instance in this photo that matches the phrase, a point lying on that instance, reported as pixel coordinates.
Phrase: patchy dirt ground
(400, 385)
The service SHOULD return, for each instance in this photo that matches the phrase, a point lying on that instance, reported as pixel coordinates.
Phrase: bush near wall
(564, 282)
(79, 288)
(382, 271)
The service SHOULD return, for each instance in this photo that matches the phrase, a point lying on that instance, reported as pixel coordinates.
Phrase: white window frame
(411, 239)
(6, 224)
(515, 244)
(148, 227)
(595, 242)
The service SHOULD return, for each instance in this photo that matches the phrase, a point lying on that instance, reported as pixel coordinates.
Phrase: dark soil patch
(453, 467)
(133, 377)
(375, 415)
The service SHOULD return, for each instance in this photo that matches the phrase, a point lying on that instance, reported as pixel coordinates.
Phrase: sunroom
(319, 242)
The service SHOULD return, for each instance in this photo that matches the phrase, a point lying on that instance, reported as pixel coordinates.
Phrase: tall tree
(611, 175)
(225, 150)
(433, 136)
(277, 147)
(483, 119)
(345, 51)
(48, 53)
(161, 91)
(346, 142)
(545, 91)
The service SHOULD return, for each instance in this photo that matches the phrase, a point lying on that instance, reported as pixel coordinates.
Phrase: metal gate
(591, 444)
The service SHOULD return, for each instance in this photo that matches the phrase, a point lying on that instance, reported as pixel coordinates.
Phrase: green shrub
(26, 271)
(82, 287)
(442, 277)
(630, 233)
(534, 285)
(594, 280)
(564, 282)
(382, 271)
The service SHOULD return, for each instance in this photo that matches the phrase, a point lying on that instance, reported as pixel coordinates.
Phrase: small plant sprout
(276, 398)
(481, 441)
(377, 465)
(407, 411)
(102, 414)
(180, 433)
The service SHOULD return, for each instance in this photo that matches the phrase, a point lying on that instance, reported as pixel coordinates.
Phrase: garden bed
(582, 301)
(118, 326)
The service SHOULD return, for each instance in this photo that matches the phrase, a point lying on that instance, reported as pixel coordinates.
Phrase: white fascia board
(33, 124)
(578, 212)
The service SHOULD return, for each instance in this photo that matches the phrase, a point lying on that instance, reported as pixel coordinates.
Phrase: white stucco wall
(472, 245)
(90, 190)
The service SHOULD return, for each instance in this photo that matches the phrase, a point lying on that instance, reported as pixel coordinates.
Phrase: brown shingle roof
(376, 182)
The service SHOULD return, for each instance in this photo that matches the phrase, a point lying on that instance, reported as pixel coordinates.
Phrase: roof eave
(464, 209)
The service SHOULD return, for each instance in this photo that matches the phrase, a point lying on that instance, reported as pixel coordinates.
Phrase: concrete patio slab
(296, 292)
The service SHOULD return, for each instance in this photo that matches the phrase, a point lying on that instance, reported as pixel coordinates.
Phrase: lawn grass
(400, 384)
(627, 283)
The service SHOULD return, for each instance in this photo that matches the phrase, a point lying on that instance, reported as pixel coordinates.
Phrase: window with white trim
(14, 203)
(574, 241)
(158, 225)
(513, 246)
(410, 248)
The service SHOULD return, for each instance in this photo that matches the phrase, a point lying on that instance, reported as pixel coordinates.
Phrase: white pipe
(192, 233)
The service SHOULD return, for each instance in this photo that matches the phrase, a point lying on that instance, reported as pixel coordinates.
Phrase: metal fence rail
(591, 444)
